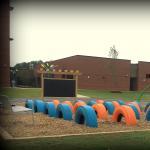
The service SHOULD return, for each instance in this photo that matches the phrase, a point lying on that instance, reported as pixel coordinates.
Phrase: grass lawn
(36, 92)
(123, 141)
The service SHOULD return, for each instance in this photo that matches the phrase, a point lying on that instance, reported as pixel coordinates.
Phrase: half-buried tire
(148, 114)
(109, 106)
(135, 111)
(29, 104)
(64, 111)
(146, 107)
(56, 102)
(41, 106)
(101, 111)
(116, 104)
(137, 106)
(78, 104)
(100, 101)
(86, 115)
(121, 102)
(35, 105)
(126, 112)
(90, 103)
(51, 109)
(70, 105)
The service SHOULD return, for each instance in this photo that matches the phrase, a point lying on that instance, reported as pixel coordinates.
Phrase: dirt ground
(21, 125)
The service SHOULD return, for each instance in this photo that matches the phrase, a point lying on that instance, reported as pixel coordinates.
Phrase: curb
(7, 136)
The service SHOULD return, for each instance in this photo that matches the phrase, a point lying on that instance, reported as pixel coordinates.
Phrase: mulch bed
(20, 125)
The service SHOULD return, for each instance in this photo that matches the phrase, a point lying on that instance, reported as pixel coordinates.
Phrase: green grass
(36, 93)
(125, 95)
(123, 141)
(21, 92)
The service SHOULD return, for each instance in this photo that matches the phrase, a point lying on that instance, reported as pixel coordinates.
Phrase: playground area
(20, 125)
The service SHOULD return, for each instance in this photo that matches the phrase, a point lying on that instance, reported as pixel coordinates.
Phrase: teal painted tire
(109, 106)
(64, 111)
(86, 115)
(135, 111)
(90, 103)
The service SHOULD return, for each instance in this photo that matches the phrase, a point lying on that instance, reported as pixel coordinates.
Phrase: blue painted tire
(78, 100)
(41, 106)
(64, 111)
(109, 106)
(135, 111)
(51, 110)
(121, 102)
(86, 115)
(29, 103)
(148, 114)
(146, 107)
(35, 105)
(90, 103)
(139, 105)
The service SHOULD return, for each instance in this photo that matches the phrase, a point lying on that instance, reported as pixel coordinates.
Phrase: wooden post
(42, 86)
(76, 78)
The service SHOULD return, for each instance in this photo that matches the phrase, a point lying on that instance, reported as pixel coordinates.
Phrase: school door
(133, 84)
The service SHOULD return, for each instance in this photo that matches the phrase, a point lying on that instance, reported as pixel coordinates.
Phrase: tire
(90, 103)
(86, 115)
(126, 112)
(116, 104)
(51, 109)
(137, 106)
(41, 107)
(101, 111)
(64, 111)
(135, 111)
(146, 107)
(78, 104)
(29, 104)
(109, 107)
(70, 105)
(56, 102)
(121, 102)
(35, 102)
(100, 101)
(148, 114)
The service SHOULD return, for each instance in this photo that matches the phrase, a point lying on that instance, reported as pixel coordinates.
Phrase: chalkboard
(59, 88)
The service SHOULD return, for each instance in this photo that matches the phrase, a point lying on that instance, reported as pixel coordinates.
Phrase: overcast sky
(49, 31)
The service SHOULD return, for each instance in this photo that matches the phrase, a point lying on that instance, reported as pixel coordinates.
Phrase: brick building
(143, 74)
(106, 73)
(4, 46)
(98, 73)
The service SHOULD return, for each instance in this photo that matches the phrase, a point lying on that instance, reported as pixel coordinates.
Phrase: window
(147, 76)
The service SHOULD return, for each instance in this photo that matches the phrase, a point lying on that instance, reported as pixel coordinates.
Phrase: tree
(113, 53)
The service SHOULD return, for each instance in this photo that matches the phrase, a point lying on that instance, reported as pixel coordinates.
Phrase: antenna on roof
(113, 53)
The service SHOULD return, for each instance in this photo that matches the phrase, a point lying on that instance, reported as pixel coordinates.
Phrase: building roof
(92, 57)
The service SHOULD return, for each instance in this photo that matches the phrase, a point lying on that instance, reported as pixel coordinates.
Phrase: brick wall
(143, 71)
(98, 73)
(4, 46)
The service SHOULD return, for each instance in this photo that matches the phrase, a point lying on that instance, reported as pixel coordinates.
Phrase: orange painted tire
(116, 104)
(127, 112)
(56, 102)
(78, 104)
(70, 105)
(101, 111)
(137, 106)
(100, 101)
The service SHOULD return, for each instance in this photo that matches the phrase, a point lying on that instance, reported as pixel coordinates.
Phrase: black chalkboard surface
(59, 88)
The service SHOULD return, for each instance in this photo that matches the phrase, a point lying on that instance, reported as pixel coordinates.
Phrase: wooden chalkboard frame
(74, 74)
